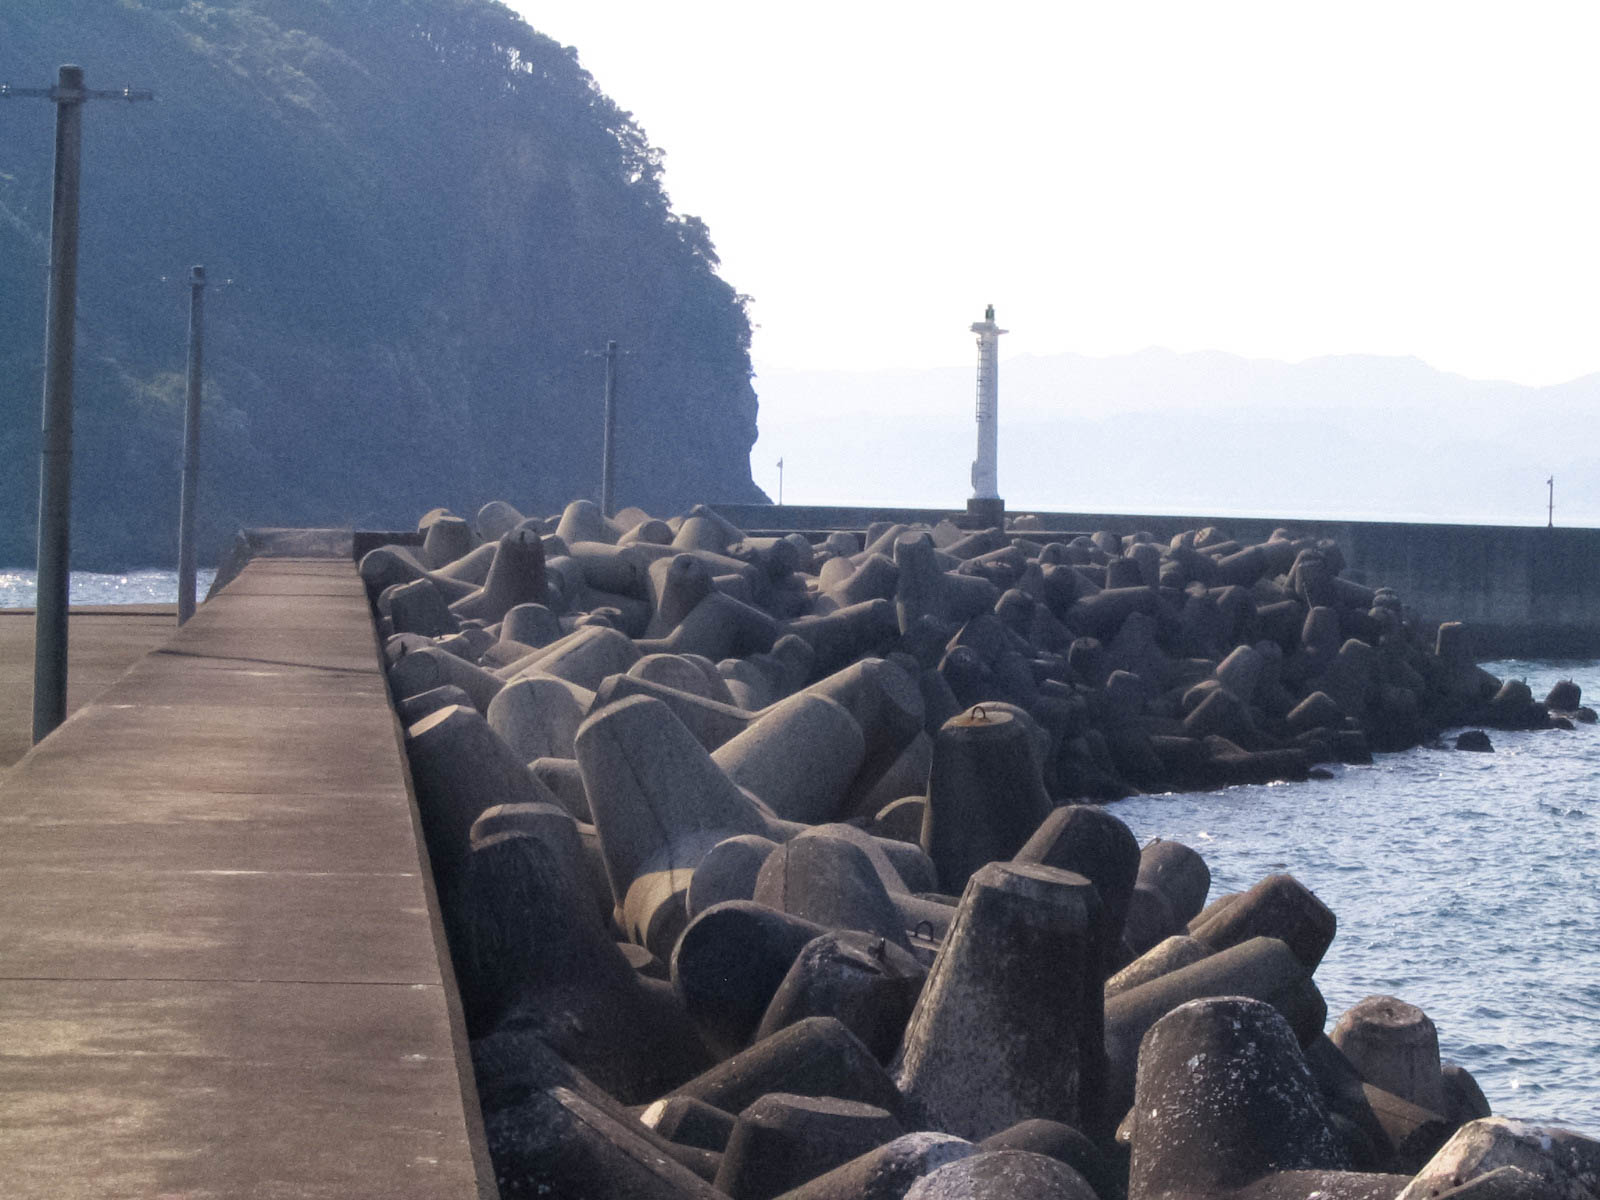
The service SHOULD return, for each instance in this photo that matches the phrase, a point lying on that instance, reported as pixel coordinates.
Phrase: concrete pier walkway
(102, 642)
(220, 967)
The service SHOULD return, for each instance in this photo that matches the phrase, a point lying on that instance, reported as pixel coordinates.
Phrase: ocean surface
(18, 588)
(1466, 884)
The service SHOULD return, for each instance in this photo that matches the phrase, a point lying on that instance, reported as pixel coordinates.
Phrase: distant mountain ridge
(432, 219)
(1353, 436)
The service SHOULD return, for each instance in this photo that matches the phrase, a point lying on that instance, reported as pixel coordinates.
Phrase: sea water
(1467, 884)
(19, 588)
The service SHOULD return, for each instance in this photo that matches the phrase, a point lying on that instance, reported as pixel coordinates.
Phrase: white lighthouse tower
(986, 503)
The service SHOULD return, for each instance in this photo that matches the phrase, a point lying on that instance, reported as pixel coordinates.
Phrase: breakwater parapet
(1527, 591)
(735, 789)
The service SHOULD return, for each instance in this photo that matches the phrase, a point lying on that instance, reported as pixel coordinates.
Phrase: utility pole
(608, 451)
(608, 447)
(1550, 523)
(55, 451)
(188, 493)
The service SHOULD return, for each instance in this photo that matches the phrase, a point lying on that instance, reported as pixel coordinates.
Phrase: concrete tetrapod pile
(762, 873)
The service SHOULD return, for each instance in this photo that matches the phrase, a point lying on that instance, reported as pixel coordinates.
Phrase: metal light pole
(191, 446)
(1550, 522)
(608, 452)
(55, 446)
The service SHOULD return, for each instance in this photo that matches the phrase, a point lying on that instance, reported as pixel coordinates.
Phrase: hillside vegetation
(430, 216)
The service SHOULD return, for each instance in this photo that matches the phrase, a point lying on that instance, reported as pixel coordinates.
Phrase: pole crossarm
(63, 95)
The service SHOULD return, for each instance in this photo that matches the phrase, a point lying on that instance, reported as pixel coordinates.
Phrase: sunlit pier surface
(221, 969)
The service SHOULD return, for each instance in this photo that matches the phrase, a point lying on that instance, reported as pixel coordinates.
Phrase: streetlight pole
(188, 493)
(55, 448)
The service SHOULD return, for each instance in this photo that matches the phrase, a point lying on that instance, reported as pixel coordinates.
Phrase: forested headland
(422, 219)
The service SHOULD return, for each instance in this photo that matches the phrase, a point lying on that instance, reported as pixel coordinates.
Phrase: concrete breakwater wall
(1524, 591)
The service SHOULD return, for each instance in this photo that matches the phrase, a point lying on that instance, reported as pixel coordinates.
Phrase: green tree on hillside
(430, 213)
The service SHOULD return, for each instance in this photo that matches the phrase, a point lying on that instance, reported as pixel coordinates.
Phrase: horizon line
(1154, 349)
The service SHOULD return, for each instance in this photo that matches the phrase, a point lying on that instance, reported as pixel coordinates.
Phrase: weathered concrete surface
(1523, 590)
(220, 969)
(102, 643)
(251, 544)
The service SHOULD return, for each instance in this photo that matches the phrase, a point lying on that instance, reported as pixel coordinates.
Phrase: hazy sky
(1274, 179)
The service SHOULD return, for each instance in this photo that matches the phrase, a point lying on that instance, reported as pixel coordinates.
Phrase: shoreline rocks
(789, 844)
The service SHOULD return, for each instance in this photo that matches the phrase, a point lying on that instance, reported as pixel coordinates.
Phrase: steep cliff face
(431, 219)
